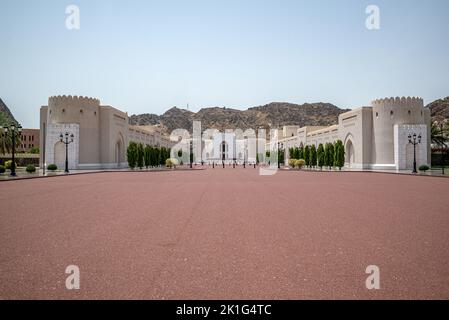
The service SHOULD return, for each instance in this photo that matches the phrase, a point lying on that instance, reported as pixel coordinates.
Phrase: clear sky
(147, 56)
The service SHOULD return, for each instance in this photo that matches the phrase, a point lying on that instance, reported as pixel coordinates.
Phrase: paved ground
(225, 234)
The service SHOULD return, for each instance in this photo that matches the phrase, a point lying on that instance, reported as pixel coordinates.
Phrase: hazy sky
(147, 56)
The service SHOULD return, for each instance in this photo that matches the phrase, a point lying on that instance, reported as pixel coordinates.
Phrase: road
(225, 234)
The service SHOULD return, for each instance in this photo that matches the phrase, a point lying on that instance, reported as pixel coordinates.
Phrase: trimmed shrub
(300, 163)
(339, 154)
(2, 169)
(8, 164)
(307, 155)
(140, 156)
(320, 156)
(313, 156)
(330, 155)
(31, 168)
(424, 168)
(147, 156)
(131, 154)
(291, 162)
(52, 167)
(171, 162)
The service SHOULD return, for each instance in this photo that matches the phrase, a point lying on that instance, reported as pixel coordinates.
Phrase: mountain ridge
(275, 114)
(6, 116)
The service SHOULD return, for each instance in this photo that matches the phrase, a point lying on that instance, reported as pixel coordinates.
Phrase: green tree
(131, 154)
(330, 156)
(297, 153)
(439, 133)
(301, 151)
(326, 155)
(147, 155)
(320, 156)
(339, 155)
(313, 156)
(6, 141)
(34, 150)
(157, 156)
(140, 155)
(307, 155)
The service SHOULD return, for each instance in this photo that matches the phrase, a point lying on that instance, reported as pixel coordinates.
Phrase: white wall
(53, 136)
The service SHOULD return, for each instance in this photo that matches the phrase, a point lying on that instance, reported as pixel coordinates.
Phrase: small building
(29, 139)
(101, 134)
(374, 137)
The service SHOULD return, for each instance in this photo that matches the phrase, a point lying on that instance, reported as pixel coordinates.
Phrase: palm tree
(439, 133)
(6, 141)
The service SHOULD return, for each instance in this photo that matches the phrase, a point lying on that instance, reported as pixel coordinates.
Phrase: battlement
(398, 102)
(73, 99)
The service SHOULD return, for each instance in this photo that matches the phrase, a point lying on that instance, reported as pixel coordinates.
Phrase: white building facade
(374, 137)
(101, 134)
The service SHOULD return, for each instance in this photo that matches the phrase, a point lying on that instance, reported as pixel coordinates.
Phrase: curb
(96, 172)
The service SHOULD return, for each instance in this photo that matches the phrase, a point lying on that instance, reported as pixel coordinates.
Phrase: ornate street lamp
(280, 146)
(412, 139)
(191, 153)
(14, 132)
(443, 149)
(66, 142)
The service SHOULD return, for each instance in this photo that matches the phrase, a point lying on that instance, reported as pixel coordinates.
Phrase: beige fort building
(374, 137)
(101, 133)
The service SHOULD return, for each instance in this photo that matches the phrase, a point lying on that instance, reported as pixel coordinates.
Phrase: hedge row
(327, 155)
(146, 156)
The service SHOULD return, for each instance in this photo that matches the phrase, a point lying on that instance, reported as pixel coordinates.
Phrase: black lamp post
(443, 149)
(14, 131)
(66, 142)
(412, 139)
(279, 155)
(191, 153)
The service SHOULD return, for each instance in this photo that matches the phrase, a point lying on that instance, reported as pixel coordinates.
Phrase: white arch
(349, 145)
(119, 150)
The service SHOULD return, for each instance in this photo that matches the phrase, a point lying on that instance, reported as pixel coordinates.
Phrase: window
(409, 113)
(391, 113)
(377, 115)
(81, 111)
(63, 110)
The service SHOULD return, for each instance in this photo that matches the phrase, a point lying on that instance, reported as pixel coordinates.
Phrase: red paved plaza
(225, 234)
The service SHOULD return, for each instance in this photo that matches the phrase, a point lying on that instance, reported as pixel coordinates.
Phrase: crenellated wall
(368, 134)
(387, 113)
(103, 132)
(86, 113)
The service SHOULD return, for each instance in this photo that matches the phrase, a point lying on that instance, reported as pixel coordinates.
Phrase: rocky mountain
(439, 109)
(276, 114)
(6, 117)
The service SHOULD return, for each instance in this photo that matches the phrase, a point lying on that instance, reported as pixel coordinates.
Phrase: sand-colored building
(101, 133)
(374, 137)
